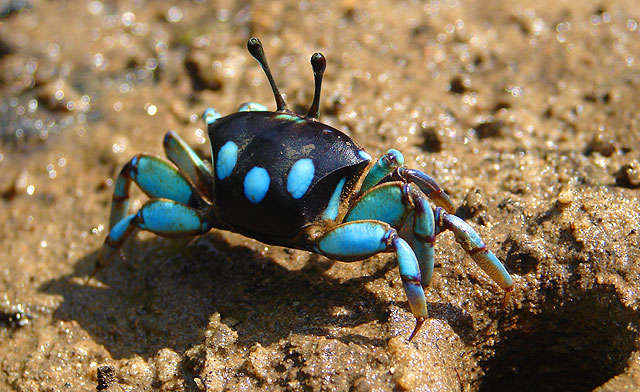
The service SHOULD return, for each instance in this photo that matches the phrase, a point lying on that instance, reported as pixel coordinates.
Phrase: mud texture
(526, 112)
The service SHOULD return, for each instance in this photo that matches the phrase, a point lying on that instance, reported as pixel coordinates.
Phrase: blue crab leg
(424, 231)
(163, 217)
(188, 162)
(157, 178)
(475, 247)
(383, 166)
(392, 202)
(362, 239)
(385, 202)
(427, 185)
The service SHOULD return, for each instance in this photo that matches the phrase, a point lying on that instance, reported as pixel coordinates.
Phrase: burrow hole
(576, 343)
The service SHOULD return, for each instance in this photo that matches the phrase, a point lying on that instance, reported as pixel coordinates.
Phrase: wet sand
(524, 112)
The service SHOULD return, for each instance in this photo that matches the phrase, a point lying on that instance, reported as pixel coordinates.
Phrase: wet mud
(525, 112)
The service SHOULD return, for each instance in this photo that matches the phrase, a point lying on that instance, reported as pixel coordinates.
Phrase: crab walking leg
(163, 217)
(188, 162)
(424, 231)
(362, 239)
(475, 247)
(157, 178)
(392, 202)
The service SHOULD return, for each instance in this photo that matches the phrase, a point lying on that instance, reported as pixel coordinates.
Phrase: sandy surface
(525, 112)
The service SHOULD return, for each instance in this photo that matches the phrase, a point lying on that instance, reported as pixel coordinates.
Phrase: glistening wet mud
(524, 112)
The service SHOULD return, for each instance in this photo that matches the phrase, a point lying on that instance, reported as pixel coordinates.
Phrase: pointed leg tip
(419, 322)
(448, 204)
(103, 259)
(505, 300)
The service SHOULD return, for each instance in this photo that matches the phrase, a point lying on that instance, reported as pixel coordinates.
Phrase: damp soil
(525, 112)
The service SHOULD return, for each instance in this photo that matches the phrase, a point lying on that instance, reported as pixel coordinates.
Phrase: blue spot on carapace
(210, 116)
(300, 177)
(364, 155)
(227, 157)
(256, 184)
(252, 107)
(331, 212)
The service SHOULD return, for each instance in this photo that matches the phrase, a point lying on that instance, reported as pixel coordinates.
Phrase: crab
(289, 180)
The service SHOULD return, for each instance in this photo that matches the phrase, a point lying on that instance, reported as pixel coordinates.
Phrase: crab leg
(475, 247)
(163, 217)
(362, 239)
(424, 231)
(392, 202)
(210, 116)
(427, 185)
(386, 202)
(157, 178)
(188, 162)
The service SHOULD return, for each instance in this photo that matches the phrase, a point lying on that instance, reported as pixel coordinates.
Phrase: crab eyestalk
(319, 64)
(255, 48)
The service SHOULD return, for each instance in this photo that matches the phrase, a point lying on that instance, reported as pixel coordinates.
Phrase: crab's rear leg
(362, 239)
(189, 163)
(476, 248)
(163, 217)
(157, 178)
(252, 107)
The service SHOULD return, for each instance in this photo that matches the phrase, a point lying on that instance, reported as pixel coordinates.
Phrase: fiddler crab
(289, 180)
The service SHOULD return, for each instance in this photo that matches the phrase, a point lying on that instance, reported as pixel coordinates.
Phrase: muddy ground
(524, 111)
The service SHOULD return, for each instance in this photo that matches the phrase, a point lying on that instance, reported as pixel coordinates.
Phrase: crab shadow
(166, 291)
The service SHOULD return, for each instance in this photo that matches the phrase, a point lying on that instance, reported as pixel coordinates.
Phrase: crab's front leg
(400, 203)
(393, 203)
(362, 239)
(390, 167)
